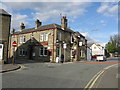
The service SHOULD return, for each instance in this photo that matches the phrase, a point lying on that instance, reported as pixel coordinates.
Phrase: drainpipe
(53, 44)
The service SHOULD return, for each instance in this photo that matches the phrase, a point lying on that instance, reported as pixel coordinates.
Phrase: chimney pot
(38, 23)
(64, 22)
(22, 26)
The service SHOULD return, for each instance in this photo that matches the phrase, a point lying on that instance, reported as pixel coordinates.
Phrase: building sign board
(1, 52)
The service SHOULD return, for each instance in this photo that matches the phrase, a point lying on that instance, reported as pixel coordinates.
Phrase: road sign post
(64, 46)
(14, 44)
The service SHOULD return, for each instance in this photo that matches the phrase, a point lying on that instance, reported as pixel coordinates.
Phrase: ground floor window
(82, 53)
(73, 53)
(22, 52)
(43, 51)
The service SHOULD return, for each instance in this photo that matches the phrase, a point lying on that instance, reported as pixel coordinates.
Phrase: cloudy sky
(96, 20)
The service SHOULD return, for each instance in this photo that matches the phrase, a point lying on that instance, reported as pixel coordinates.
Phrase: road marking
(96, 76)
(22, 67)
(92, 80)
(96, 79)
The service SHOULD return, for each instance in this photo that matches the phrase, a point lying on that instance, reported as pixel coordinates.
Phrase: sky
(97, 21)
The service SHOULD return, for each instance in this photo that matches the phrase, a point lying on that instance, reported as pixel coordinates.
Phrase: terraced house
(5, 23)
(48, 43)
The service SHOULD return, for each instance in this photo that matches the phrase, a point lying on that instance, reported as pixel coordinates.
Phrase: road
(66, 75)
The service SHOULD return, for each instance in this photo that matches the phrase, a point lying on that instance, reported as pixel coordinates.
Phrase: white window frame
(23, 50)
(22, 39)
(41, 37)
(45, 36)
(40, 52)
(43, 51)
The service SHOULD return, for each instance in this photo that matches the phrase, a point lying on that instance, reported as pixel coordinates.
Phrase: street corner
(10, 67)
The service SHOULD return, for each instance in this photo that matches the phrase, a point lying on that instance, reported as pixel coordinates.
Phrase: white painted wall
(89, 53)
(97, 50)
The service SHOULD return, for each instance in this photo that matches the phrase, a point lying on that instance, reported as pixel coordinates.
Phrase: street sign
(14, 44)
(64, 45)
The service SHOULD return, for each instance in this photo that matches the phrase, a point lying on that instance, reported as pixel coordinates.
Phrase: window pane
(21, 39)
(45, 51)
(41, 51)
(45, 37)
(20, 52)
(24, 38)
(41, 37)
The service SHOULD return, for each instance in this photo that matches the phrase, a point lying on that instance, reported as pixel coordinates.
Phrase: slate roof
(3, 12)
(40, 28)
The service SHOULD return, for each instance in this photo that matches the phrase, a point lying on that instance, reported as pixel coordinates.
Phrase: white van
(101, 58)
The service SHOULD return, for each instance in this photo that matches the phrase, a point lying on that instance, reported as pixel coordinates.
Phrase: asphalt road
(47, 75)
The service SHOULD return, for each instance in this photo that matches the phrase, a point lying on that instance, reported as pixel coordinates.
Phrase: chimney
(13, 31)
(38, 23)
(64, 22)
(22, 26)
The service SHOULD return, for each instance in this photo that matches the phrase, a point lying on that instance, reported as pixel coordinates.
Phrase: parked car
(101, 58)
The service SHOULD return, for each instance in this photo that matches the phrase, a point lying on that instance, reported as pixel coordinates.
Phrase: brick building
(5, 22)
(47, 42)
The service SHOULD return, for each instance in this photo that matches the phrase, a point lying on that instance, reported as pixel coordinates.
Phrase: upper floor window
(43, 37)
(59, 36)
(22, 39)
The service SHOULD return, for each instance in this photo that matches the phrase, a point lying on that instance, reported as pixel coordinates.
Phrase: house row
(44, 43)
(48, 43)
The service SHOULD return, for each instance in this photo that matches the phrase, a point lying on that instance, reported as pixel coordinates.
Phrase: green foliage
(112, 45)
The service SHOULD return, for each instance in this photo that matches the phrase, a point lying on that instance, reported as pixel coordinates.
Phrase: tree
(112, 45)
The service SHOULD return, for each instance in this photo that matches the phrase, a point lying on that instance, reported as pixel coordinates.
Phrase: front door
(1, 52)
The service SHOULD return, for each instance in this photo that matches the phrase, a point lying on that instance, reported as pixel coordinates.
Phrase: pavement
(9, 67)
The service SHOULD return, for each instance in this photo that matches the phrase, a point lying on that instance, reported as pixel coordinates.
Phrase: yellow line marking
(96, 76)
(92, 79)
(96, 79)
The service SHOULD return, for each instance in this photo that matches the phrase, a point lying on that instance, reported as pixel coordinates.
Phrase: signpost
(64, 46)
(14, 44)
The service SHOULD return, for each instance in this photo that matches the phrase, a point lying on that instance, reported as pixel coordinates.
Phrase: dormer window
(22, 39)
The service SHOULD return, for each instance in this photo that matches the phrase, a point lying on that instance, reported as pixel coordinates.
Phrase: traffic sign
(14, 44)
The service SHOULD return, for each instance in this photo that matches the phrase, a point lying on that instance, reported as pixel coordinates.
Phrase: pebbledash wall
(45, 42)
(5, 23)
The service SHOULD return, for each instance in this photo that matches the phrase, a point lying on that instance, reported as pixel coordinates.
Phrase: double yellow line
(96, 76)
